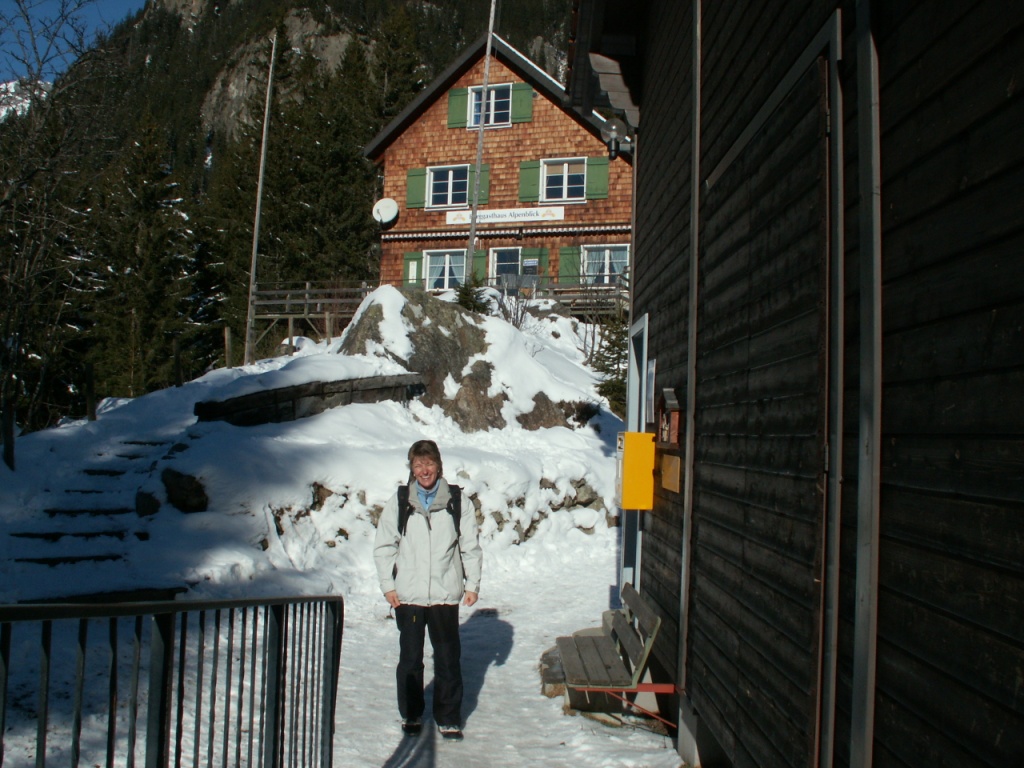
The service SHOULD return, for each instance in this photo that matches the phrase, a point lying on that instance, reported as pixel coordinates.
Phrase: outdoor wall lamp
(614, 133)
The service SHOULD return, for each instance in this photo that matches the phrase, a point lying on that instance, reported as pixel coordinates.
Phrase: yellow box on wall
(635, 469)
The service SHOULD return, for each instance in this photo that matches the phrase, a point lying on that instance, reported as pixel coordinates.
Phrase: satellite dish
(385, 210)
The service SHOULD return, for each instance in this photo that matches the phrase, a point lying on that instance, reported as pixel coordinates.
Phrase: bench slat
(592, 660)
(572, 664)
(601, 661)
(649, 621)
(628, 638)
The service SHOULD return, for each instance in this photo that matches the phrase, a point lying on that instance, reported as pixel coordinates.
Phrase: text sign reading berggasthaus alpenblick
(506, 215)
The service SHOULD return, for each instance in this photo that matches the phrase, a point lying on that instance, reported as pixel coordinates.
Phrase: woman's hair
(426, 449)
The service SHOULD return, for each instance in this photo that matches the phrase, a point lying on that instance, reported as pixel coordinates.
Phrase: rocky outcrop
(444, 338)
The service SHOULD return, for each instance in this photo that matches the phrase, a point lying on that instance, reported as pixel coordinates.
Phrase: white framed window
(445, 269)
(564, 179)
(603, 264)
(505, 261)
(448, 186)
(496, 107)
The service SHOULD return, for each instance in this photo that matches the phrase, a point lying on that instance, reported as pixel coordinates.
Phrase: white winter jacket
(429, 565)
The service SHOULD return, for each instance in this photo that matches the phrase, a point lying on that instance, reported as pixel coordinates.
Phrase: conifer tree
(141, 259)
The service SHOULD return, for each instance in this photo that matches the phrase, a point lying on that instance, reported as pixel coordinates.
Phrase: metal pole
(471, 247)
(250, 319)
(865, 626)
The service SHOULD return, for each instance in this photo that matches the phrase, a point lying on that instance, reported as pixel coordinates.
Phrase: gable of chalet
(531, 75)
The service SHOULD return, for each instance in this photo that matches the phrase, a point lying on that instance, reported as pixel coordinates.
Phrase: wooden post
(328, 328)
(90, 392)
(227, 346)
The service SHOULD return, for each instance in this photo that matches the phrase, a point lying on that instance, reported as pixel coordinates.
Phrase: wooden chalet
(828, 346)
(552, 209)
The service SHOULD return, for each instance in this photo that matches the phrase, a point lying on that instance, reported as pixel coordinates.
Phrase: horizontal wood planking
(927, 703)
(983, 532)
(971, 467)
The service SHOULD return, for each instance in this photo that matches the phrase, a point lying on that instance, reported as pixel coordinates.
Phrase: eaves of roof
(512, 58)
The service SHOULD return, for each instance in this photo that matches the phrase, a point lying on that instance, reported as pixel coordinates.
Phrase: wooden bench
(613, 659)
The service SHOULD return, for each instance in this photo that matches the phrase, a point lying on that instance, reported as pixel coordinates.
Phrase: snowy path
(531, 594)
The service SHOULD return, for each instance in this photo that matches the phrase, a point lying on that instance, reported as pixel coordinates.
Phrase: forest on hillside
(128, 210)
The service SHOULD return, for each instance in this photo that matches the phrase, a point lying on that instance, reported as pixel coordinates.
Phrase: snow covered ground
(263, 535)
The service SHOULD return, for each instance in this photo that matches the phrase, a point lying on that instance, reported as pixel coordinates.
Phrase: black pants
(442, 622)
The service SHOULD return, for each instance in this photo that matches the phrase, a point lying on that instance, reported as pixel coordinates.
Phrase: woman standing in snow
(428, 560)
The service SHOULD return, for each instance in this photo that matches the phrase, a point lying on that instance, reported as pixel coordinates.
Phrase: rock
(444, 338)
(146, 504)
(321, 493)
(552, 676)
(184, 492)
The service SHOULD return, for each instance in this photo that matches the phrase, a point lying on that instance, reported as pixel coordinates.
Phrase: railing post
(273, 705)
(334, 621)
(158, 721)
(43, 709)
(5, 660)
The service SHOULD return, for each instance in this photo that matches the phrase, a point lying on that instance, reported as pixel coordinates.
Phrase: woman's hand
(392, 598)
(470, 598)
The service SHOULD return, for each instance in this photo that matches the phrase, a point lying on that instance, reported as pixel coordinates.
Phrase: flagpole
(471, 247)
(251, 317)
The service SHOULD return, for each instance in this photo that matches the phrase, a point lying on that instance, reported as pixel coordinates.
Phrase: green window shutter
(416, 188)
(412, 269)
(529, 181)
(569, 266)
(485, 183)
(597, 178)
(458, 107)
(480, 266)
(522, 103)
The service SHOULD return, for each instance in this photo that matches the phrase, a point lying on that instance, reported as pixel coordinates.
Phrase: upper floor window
(504, 105)
(496, 107)
(564, 179)
(448, 186)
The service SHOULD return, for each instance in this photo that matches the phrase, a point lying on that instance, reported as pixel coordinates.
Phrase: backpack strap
(404, 508)
(454, 507)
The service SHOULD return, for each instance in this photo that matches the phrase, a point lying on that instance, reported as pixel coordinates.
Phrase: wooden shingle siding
(540, 129)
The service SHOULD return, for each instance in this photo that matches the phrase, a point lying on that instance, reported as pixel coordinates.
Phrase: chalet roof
(509, 56)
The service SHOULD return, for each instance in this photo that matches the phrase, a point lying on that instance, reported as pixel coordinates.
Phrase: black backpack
(454, 507)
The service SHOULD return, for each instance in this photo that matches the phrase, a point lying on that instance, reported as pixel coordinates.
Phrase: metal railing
(216, 683)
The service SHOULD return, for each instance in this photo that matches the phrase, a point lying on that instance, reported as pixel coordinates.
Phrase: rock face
(444, 338)
(185, 492)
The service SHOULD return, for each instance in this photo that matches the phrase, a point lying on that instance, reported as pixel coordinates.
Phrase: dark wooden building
(829, 279)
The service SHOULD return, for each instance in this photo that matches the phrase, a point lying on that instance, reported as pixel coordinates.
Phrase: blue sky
(98, 15)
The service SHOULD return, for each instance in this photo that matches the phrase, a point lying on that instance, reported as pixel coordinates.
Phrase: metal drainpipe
(862, 718)
(691, 342)
(828, 646)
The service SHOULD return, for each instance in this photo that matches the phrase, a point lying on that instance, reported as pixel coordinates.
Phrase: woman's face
(425, 472)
